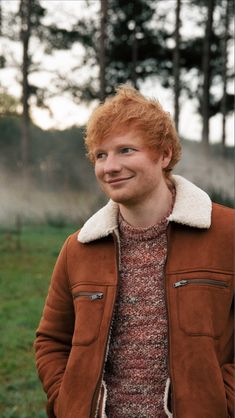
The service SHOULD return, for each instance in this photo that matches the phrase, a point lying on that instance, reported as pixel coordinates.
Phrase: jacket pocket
(88, 307)
(203, 305)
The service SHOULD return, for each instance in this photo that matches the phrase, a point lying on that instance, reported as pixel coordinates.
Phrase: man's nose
(111, 164)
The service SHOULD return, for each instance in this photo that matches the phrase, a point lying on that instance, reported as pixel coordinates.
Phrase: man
(138, 319)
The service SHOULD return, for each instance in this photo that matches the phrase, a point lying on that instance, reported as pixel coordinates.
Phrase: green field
(26, 263)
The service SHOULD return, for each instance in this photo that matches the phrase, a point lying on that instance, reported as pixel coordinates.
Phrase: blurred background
(58, 60)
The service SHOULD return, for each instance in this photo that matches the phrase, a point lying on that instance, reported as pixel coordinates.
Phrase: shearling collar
(192, 207)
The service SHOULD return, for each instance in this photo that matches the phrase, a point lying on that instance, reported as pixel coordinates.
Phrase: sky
(64, 112)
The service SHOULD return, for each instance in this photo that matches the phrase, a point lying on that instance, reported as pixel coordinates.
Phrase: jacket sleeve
(228, 376)
(55, 331)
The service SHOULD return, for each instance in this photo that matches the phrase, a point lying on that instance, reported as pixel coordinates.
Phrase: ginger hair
(130, 110)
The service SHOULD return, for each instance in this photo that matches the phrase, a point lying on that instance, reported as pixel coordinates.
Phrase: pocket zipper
(200, 281)
(91, 295)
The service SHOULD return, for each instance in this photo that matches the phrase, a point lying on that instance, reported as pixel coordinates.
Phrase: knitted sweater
(136, 367)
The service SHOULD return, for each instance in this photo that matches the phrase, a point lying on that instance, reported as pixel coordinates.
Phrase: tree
(224, 70)
(29, 29)
(205, 83)
(102, 52)
(134, 48)
(2, 59)
(20, 27)
(137, 44)
(134, 54)
(207, 72)
(0, 17)
(176, 64)
(26, 17)
(128, 42)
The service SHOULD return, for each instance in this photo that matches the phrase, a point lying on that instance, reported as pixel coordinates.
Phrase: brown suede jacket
(72, 338)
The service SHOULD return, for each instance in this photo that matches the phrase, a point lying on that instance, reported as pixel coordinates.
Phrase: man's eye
(127, 150)
(100, 155)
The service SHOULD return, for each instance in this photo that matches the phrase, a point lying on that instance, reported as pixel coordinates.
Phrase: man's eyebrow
(98, 150)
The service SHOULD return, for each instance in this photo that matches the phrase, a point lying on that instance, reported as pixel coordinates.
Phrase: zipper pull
(180, 283)
(96, 296)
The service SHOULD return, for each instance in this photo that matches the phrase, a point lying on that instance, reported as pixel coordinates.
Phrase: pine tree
(207, 72)
(102, 49)
(176, 64)
(26, 24)
(227, 13)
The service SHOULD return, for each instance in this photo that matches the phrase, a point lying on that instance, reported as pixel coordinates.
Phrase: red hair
(127, 110)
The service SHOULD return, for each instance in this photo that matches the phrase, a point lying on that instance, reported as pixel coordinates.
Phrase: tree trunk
(0, 17)
(134, 57)
(224, 73)
(102, 54)
(206, 73)
(176, 64)
(25, 13)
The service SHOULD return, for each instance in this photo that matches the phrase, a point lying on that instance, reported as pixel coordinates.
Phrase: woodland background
(56, 52)
(185, 46)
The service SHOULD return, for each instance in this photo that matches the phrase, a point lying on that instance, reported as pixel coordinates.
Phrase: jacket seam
(197, 270)
(108, 284)
(66, 262)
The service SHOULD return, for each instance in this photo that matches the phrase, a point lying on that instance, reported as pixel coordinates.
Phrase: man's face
(127, 170)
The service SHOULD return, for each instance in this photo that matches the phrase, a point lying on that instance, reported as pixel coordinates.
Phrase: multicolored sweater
(136, 367)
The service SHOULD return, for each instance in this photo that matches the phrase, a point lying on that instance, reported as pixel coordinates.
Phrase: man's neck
(147, 213)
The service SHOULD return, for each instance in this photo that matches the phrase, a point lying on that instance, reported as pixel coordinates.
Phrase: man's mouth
(118, 180)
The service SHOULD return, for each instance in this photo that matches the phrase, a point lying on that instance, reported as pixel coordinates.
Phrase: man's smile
(118, 180)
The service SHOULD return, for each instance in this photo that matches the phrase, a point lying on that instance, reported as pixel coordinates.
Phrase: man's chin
(121, 200)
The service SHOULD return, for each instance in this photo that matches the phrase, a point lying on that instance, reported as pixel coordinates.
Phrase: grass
(26, 265)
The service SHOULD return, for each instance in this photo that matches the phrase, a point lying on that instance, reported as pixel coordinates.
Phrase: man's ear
(166, 157)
